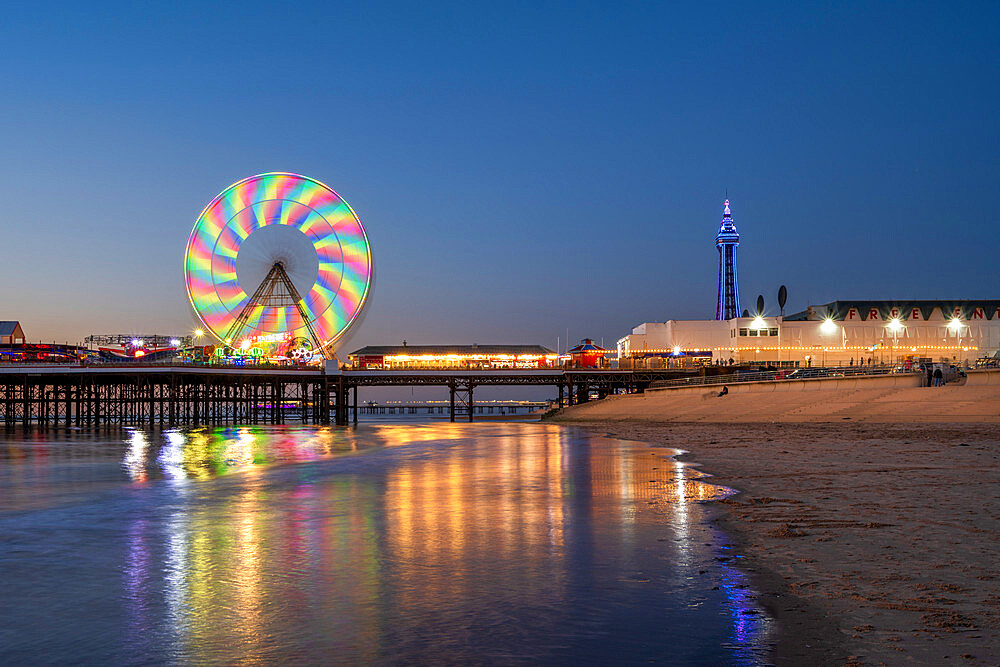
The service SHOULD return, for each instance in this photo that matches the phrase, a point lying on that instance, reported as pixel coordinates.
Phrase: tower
(727, 240)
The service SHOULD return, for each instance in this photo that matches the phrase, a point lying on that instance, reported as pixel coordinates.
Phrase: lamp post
(827, 328)
(956, 327)
(894, 326)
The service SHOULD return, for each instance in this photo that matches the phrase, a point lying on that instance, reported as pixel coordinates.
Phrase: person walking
(938, 378)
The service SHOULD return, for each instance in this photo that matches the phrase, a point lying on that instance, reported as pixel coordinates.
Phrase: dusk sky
(520, 169)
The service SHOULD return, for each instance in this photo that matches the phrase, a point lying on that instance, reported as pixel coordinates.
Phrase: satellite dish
(760, 304)
(782, 298)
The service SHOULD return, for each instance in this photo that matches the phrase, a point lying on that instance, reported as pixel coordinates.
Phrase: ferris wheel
(280, 256)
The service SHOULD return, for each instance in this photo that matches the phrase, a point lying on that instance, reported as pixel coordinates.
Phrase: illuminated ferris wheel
(278, 256)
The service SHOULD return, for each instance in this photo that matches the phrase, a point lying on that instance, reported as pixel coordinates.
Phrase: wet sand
(877, 543)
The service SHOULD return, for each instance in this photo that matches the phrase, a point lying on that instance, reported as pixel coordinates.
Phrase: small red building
(587, 354)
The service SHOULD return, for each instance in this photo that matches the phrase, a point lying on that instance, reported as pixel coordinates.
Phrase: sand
(949, 404)
(875, 539)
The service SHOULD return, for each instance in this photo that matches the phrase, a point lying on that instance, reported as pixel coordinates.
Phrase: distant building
(458, 357)
(11, 333)
(835, 333)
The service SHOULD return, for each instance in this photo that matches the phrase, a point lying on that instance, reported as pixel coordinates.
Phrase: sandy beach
(870, 517)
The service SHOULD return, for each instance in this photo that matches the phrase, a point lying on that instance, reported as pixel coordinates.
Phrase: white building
(836, 333)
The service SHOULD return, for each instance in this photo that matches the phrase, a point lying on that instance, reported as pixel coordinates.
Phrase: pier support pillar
(451, 401)
(354, 408)
(341, 402)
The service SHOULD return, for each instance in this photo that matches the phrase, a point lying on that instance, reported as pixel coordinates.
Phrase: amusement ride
(277, 268)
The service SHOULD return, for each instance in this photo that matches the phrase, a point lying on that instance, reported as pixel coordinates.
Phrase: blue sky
(520, 169)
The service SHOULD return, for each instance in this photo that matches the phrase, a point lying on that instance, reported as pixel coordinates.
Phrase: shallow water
(487, 542)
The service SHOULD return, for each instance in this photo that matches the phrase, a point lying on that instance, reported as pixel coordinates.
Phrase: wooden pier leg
(451, 401)
(172, 401)
(78, 387)
(341, 402)
(193, 402)
(68, 400)
(354, 409)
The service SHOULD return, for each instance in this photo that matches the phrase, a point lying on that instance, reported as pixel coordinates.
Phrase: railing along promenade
(779, 375)
(191, 394)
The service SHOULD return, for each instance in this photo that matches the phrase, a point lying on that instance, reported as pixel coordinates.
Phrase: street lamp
(894, 326)
(828, 328)
(956, 327)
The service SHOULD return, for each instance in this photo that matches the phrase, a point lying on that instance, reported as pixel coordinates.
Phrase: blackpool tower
(727, 240)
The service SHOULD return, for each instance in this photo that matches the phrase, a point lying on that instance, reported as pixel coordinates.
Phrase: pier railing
(778, 375)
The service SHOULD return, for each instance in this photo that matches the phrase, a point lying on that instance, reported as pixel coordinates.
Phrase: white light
(955, 324)
(677, 350)
(245, 344)
(136, 342)
(174, 342)
(828, 326)
(199, 332)
(894, 324)
(758, 323)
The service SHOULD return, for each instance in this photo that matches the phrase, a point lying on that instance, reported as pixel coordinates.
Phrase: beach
(870, 517)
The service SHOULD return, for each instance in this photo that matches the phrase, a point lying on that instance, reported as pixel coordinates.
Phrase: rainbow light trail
(338, 295)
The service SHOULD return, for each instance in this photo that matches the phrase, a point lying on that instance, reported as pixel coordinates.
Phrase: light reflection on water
(438, 541)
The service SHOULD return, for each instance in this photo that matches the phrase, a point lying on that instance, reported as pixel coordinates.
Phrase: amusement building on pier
(838, 333)
(458, 357)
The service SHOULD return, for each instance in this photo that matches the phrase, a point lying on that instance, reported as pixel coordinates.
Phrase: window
(774, 331)
(754, 332)
(743, 332)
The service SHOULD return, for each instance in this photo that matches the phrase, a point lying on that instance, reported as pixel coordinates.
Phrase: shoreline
(870, 543)
(804, 632)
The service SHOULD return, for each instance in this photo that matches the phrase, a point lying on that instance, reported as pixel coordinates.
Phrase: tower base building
(840, 333)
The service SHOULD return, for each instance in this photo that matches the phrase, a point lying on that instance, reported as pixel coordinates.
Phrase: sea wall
(983, 377)
(810, 384)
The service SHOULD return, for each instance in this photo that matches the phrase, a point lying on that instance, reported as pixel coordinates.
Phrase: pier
(189, 395)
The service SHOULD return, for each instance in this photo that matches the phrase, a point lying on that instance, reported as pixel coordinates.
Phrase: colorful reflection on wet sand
(500, 542)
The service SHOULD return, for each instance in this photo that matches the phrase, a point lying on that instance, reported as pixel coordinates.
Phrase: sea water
(399, 542)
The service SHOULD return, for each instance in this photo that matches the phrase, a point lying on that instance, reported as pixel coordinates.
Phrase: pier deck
(194, 395)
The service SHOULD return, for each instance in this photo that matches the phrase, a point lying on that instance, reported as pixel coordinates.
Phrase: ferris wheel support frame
(264, 296)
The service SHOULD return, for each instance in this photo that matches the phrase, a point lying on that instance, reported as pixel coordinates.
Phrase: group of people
(935, 378)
